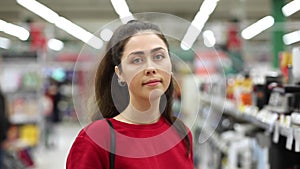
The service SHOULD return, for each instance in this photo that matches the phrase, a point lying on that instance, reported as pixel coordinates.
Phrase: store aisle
(55, 157)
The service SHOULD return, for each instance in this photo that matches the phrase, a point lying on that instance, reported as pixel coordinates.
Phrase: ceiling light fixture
(291, 8)
(55, 44)
(291, 38)
(14, 30)
(209, 38)
(122, 10)
(78, 32)
(39, 9)
(106, 34)
(258, 27)
(62, 23)
(206, 9)
(4, 43)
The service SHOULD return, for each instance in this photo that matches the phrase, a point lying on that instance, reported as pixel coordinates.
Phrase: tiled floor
(62, 139)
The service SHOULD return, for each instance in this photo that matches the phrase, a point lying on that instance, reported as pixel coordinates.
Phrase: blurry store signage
(206, 9)
(30, 56)
(37, 39)
(4, 43)
(291, 8)
(122, 10)
(14, 30)
(62, 23)
(210, 62)
(73, 57)
(291, 38)
(258, 27)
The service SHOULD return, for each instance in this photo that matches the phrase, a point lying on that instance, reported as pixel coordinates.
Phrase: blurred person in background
(4, 124)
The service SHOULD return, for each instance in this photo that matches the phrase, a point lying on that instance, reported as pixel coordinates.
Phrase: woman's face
(146, 66)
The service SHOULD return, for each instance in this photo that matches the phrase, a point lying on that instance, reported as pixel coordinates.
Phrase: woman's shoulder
(90, 147)
(96, 127)
(95, 133)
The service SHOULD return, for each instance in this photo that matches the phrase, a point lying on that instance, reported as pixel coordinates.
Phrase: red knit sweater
(151, 146)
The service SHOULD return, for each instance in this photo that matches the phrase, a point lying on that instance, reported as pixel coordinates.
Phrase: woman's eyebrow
(156, 49)
(137, 53)
(142, 52)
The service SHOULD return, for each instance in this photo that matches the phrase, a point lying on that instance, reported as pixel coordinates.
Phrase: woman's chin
(155, 94)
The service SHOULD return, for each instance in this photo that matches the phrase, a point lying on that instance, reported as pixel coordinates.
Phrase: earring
(121, 83)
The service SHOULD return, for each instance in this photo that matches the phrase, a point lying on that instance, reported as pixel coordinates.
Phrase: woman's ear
(118, 72)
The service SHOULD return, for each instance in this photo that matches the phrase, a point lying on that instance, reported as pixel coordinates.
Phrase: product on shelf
(296, 65)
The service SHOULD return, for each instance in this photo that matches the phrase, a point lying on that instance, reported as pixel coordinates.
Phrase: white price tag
(297, 145)
(289, 139)
(276, 132)
(297, 139)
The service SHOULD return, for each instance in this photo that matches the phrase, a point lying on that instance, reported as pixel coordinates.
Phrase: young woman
(134, 89)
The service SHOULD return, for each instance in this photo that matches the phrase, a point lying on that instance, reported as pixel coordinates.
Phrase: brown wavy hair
(111, 102)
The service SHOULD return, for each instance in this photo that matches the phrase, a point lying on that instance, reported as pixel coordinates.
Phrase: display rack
(229, 108)
(21, 82)
(285, 139)
(252, 116)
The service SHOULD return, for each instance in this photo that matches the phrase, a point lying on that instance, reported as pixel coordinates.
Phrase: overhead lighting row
(14, 30)
(288, 10)
(268, 21)
(62, 23)
(122, 10)
(23, 34)
(258, 27)
(206, 9)
(291, 8)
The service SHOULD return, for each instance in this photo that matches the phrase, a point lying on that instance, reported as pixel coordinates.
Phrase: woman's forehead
(144, 41)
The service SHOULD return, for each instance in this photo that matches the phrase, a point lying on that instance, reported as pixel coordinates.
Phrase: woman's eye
(158, 57)
(137, 60)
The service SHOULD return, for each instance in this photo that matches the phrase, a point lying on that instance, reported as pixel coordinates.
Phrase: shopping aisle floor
(62, 139)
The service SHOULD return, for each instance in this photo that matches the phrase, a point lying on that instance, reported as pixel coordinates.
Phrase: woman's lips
(152, 82)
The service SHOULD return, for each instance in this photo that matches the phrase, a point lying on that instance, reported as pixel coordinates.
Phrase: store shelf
(251, 115)
(229, 108)
(22, 82)
(213, 137)
(20, 119)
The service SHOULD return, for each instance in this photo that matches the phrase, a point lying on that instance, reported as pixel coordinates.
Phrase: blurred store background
(240, 70)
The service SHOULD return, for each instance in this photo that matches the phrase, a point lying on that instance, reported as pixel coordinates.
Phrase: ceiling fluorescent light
(14, 30)
(39, 9)
(78, 32)
(4, 43)
(207, 8)
(209, 38)
(122, 10)
(106, 34)
(291, 8)
(62, 23)
(258, 27)
(55, 44)
(189, 38)
(291, 38)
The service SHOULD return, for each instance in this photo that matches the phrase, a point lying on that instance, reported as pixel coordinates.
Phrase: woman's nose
(150, 67)
(150, 71)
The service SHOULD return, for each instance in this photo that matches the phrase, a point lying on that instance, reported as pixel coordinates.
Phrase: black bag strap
(112, 145)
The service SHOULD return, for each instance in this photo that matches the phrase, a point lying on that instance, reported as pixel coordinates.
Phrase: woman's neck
(141, 112)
